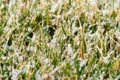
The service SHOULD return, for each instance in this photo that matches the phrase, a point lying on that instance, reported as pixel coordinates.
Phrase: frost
(2, 6)
(5, 46)
(6, 29)
(91, 14)
(31, 48)
(18, 18)
(33, 38)
(15, 74)
(76, 40)
(117, 33)
(101, 76)
(73, 56)
(44, 76)
(69, 49)
(73, 4)
(74, 28)
(105, 12)
(82, 63)
(106, 59)
(97, 34)
(11, 3)
(46, 60)
(29, 29)
(20, 58)
(33, 1)
(54, 6)
(60, 1)
(3, 58)
(92, 2)
(54, 40)
(118, 77)
(53, 43)
(37, 76)
(70, 11)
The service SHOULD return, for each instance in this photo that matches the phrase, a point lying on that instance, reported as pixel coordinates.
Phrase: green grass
(60, 40)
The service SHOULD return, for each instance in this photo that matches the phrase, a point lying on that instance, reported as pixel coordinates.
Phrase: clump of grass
(59, 40)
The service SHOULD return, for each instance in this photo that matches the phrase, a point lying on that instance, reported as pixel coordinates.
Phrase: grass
(59, 40)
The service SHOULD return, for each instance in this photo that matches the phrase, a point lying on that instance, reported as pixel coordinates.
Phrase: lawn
(59, 39)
